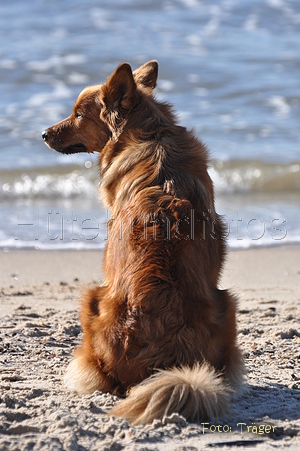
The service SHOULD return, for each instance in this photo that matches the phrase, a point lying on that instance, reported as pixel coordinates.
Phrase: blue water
(230, 68)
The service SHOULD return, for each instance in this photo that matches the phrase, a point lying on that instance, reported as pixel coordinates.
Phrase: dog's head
(100, 111)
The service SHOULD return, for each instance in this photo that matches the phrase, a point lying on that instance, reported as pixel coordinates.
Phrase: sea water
(229, 67)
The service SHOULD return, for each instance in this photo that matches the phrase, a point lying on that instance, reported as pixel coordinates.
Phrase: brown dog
(159, 323)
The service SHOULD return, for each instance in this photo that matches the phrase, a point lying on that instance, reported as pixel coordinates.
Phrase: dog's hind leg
(234, 367)
(83, 376)
(84, 373)
(235, 371)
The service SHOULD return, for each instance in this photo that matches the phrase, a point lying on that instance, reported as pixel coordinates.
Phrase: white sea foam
(282, 108)
(60, 91)
(75, 78)
(49, 186)
(194, 39)
(251, 22)
(166, 85)
(193, 78)
(278, 4)
(10, 243)
(212, 26)
(100, 18)
(191, 3)
(8, 64)
(201, 92)
(56, 61)
(286, 8)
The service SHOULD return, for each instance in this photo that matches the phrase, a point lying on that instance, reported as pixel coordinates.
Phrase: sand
(39, 328)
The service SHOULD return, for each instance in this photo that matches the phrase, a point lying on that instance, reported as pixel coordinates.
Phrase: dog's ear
(119, 90)
(146, 75)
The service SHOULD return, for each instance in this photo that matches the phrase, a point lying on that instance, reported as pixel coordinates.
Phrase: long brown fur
(159, 323)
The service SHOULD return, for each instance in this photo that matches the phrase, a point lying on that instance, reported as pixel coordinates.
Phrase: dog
(159, 329)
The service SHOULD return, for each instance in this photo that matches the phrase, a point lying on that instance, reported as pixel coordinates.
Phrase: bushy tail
(198, 394)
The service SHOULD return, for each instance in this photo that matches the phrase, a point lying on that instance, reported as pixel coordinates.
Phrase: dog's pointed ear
(119, 90)
(146, 75)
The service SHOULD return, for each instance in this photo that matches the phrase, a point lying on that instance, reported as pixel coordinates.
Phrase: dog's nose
(45, 135)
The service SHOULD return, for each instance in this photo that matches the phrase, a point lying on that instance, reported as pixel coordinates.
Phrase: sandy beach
(39, 329)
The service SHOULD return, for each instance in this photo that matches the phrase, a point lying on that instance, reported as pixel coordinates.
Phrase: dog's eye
(78, 115)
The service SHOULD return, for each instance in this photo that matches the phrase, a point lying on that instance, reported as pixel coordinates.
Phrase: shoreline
(35, 266)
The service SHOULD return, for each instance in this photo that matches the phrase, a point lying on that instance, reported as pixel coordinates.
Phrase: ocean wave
(229, 177)
(48, 183)
(253, 176)
(7, 242)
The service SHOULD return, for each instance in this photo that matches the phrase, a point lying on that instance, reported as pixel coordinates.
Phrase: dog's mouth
(74, 148)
